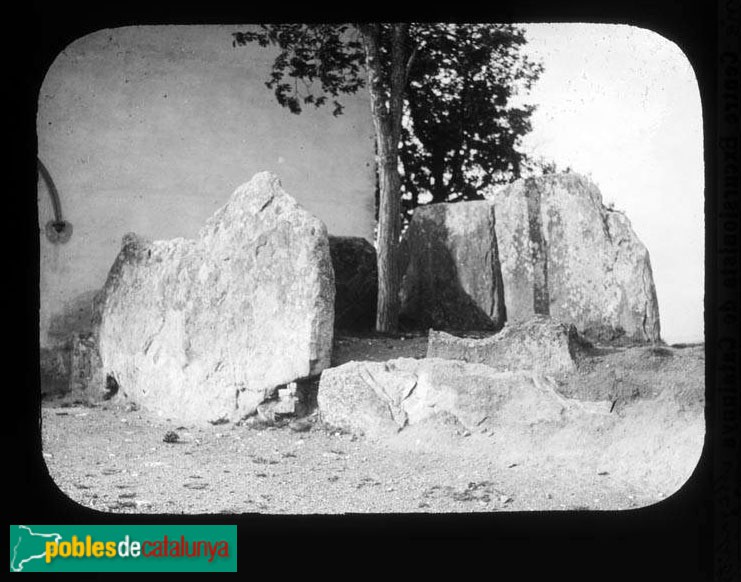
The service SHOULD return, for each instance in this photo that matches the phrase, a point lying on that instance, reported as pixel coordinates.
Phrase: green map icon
(27, 546)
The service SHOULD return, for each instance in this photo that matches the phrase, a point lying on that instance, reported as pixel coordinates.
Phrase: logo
(133, 548)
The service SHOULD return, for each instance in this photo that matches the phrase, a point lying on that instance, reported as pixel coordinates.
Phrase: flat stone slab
(540, 344)
(379, 399)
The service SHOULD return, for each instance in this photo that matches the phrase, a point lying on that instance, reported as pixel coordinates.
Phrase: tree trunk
(387, 93)
(437, 169)
(389, 227)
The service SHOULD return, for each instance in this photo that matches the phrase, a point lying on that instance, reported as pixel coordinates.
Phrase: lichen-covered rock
(540, 345)
(207, 329)
(379, 399)
(356, 283)
(450, 264)
(565, 255)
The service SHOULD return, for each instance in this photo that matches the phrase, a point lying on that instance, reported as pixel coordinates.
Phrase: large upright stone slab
(206, 329)
(567, 256)
(356, 283)
(451, 274)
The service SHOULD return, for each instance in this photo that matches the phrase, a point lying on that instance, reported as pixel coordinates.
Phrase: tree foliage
(460, 129)
(331, 55)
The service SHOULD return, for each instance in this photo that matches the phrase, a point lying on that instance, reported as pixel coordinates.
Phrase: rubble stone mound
(540, 345)
(379, 399)
(450, 265)
(356, 282)
(567, 256)
(207, 329)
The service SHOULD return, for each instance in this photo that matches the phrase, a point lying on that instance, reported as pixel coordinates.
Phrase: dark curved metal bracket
(57, 230)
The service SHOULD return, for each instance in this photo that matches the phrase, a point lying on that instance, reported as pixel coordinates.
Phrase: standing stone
(207, 329)
(451, 273)
(356, 283)
(566, 256)
(541, 345)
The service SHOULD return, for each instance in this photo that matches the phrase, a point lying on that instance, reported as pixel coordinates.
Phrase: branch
(409, 64)
(371, 36)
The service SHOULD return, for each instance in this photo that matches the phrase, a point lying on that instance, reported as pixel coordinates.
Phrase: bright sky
(621, 104)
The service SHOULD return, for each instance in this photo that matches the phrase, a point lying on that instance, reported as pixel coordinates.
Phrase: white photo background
(622, 105)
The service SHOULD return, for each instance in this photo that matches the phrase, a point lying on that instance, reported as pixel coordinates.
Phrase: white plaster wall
(150, 129)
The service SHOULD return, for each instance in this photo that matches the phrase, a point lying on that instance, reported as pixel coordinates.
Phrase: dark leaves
(462, 132)
(314, 60)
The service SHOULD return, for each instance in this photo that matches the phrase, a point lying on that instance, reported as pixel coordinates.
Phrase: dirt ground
(640, 445)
